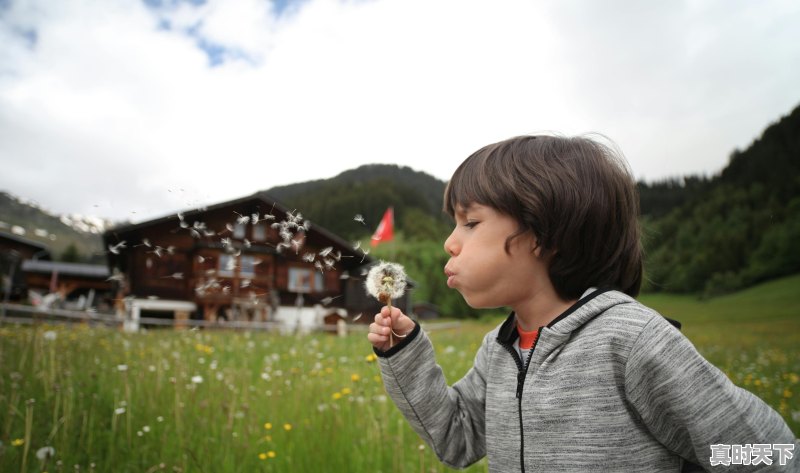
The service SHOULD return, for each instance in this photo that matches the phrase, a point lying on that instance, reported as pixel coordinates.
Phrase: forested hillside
(64, 241)
(736, 229)
(368, 190)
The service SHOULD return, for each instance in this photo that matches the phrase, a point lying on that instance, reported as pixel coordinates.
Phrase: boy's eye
(471, 224)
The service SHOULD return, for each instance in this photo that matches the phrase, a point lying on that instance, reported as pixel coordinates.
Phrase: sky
(131, 109)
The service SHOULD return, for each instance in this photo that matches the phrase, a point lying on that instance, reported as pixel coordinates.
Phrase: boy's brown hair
(575, 195)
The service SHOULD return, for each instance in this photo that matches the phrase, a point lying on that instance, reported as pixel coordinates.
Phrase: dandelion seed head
(386, 281)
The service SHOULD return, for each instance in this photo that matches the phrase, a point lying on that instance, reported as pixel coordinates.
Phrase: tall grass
(209, 401)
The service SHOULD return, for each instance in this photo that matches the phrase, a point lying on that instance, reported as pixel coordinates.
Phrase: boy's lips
(450, 277)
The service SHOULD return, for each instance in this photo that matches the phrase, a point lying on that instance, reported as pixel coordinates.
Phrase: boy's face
(480, 268)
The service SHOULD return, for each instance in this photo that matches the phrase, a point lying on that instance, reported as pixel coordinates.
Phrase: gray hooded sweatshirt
(610, 385)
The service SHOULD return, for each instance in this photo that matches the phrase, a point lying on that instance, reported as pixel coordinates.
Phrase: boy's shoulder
(628, 318)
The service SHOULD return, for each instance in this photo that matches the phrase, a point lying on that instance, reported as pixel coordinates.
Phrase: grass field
(206, 401)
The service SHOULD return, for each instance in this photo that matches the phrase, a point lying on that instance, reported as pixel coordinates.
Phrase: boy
(580, 377)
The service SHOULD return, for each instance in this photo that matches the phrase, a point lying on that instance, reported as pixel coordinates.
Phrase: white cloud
(114, 107)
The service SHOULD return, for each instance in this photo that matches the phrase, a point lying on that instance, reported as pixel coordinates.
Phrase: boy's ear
(538, 251)
(536, 248)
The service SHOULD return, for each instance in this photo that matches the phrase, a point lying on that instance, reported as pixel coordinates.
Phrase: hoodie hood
(580, 313)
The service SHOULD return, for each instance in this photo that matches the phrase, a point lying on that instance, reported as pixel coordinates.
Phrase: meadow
(101, 400)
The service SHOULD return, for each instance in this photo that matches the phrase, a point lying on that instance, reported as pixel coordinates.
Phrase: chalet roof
(66, 269)
(262, 197)
(24, 241)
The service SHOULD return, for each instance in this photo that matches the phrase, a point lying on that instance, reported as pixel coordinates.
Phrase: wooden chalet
(246, 259)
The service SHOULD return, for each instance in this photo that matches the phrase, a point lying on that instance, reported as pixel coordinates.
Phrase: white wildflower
(44, 453)
(122, 367)
(197, 379)
(50, 335)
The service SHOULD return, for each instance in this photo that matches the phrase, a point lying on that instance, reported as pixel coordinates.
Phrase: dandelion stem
(28, 428)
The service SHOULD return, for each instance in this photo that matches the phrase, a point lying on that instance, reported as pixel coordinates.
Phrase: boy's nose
(450, 246)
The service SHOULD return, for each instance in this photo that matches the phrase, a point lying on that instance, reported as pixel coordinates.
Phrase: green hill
(369, 190)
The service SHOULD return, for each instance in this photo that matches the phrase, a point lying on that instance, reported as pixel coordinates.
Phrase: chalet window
(228, 263)
(305, 280)
(239, 231)
(260, 232)
(248, 266)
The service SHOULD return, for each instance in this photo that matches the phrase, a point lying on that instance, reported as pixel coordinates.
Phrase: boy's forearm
(450, 420)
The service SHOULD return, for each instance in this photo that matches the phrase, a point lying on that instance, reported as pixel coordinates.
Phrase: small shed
(14, 249)
(77, 285)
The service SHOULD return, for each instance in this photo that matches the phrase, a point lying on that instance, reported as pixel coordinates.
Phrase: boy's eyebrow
(464, 208)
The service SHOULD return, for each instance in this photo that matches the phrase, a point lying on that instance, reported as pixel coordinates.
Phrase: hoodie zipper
(522, 373)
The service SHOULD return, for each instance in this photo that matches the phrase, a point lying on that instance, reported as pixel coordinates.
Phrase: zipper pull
(520, 383)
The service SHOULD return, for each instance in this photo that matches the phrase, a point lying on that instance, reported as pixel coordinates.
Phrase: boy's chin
(479, 304)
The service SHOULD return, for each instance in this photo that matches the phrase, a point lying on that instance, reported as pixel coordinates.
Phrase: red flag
(385, 230)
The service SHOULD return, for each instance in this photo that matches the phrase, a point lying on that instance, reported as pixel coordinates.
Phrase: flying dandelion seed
(325, 251)
(296, 245)
(360, 219)
(327, 300)
(358, 316)
(145, 242)
(318, 265)
(115, 248)
(201, 259)
(309, 257)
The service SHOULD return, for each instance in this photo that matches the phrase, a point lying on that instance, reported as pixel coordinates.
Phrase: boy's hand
(384, 323)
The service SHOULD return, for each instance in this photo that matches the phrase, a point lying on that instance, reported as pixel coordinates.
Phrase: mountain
(368, 190)
(58, 233)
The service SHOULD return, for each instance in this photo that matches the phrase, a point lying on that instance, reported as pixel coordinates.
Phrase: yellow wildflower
(287, 427)
(17, 442)
(346, 391)
(268, 425)
(262, 456)
(371, 357)
(337, 395)
(355, 378)
(271, 454)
